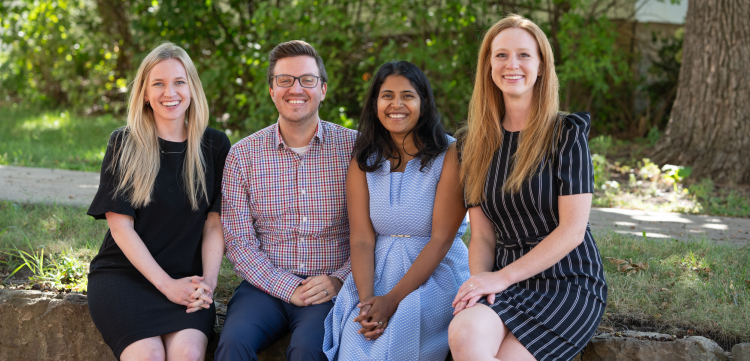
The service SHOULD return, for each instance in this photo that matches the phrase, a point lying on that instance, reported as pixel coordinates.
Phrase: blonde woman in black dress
(150, 286)
(537, 290)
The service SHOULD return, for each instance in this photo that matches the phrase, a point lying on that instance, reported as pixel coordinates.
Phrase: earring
(147, 102)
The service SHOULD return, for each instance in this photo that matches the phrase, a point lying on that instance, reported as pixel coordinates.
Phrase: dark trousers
(255, 320)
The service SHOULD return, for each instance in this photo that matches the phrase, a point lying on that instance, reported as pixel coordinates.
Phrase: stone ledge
(36, 325)
(650, 346)
(44, 326)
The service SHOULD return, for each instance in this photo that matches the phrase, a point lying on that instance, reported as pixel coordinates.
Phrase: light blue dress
(401, 204)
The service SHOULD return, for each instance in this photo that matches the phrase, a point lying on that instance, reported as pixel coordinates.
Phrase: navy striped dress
(554, 313)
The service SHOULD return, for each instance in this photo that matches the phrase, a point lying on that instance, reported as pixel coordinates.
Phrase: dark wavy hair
(374, 140)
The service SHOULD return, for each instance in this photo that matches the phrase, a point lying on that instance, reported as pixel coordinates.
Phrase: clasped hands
(191, 292)
(374, 314)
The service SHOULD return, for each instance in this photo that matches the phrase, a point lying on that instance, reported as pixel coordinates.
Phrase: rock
(741, 352)
(650, 346)
(36, 325)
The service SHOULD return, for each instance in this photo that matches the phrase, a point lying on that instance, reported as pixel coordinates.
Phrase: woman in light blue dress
(406, 215)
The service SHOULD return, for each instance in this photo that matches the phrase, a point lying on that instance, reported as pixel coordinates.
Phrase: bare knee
(188, 352)
(458, 330)
(475, 334)
(143, 352)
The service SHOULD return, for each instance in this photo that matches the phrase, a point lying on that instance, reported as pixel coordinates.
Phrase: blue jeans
(255, 320)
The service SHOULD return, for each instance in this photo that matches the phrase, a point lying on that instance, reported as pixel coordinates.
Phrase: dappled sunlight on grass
(54, 139)
(699, 287)
(46, 122)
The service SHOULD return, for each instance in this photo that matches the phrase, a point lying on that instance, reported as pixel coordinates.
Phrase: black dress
(554, 313)
(124, 305)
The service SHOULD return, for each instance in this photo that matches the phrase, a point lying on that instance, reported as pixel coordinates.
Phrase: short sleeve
(220, 159)
(104, 201)
(573, 168)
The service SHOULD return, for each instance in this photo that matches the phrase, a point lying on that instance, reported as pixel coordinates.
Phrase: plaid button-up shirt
(284, 215)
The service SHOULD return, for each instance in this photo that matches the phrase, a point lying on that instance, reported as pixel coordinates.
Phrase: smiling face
(515, 62)
(167, 90)
(398, 105)
(297, 104)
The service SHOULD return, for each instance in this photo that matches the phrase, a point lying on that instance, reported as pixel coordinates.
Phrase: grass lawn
(54, 139)
(58, 139)
(689, 288)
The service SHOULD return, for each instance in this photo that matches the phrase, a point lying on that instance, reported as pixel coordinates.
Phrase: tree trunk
(709, 128)
(116, 24)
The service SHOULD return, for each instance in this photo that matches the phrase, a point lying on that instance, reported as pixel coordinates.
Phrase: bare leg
(476, 333)
(189, 345)
(512, 349)
(148, 349)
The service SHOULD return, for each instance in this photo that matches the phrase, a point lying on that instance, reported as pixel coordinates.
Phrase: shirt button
(301, 239)
(301, 265)
(302, 191)
(304, 219)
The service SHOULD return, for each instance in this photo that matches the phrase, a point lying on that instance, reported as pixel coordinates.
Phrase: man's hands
(316, 290)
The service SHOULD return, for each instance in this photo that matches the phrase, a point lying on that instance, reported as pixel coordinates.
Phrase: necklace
(182, 151)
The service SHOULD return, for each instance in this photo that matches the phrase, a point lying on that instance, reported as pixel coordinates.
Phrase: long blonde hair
(138, 154)
(482, 135)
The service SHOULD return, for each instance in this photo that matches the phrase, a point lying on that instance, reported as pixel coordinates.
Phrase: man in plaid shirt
(284, 216)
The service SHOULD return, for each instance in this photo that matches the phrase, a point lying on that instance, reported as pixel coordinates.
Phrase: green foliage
(648, 169)
(675, 174)
(601, 175)
(55, 243)
(653, 136)
(722, 202)
(82, 57)
(702, 190)
(600, 145)
(53, 271)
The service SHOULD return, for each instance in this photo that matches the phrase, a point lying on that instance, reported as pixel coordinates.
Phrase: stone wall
(43, 326)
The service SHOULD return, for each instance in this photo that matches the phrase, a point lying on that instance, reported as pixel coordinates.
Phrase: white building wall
(656, 11)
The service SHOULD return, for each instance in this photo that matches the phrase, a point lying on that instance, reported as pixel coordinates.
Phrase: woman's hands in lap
(190, 292)
(374, 315)
(477, 286)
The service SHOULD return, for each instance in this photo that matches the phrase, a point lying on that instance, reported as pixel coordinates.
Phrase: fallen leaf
(747, 282)
(628, 266)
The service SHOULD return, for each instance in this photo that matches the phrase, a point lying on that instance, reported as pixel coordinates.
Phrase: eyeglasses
(305, 81)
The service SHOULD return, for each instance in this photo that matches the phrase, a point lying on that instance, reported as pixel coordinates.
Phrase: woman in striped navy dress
(537, 290)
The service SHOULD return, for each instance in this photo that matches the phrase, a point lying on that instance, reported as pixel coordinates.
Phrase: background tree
(709, 127)
(81, 55)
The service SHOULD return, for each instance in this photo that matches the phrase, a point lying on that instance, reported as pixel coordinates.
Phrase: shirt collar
(319, 135)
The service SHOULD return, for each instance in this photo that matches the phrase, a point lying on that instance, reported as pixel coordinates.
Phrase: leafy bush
(601, 144)
(82, 56)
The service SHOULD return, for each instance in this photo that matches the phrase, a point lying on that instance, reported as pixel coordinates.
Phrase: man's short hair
(291, 49)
